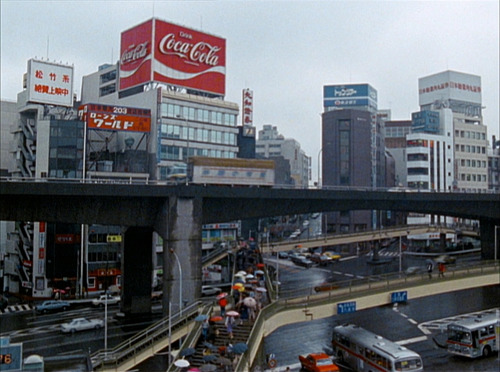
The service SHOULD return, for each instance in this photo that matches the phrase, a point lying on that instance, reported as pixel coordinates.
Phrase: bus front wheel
(486, 351)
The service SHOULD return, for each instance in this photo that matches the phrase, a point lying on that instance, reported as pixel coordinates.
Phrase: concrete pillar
(487, 232)
(137, 268)
(182, 265)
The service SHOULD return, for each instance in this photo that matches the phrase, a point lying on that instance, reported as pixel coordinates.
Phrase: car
(334, 256)
(317, 362)
(302, 261)
(208, 290)
(446, 259)
(52, 306)
(325, 287)
(412, 270)
(305, 223)
(283, 254)
(101, 300)
(320, 259)
(81, 324)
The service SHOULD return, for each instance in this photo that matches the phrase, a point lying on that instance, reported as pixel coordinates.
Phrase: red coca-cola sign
(164, 52)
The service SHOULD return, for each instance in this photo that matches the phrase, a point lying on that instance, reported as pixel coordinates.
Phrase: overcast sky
(285, 51)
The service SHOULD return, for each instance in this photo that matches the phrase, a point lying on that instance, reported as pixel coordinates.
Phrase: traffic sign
(114, 238)
(401, 296)
(346, 307)
(11, 357)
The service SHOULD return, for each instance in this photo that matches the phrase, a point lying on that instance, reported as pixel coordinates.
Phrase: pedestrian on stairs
(222, 305)
(229, 326)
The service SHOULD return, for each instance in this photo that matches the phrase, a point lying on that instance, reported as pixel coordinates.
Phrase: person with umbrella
(430, 265)
(222, 303)
(229, 326)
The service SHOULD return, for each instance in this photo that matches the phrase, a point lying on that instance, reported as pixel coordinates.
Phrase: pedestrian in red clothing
(223, 304)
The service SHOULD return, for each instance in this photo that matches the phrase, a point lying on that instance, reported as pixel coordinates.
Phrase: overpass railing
(292, 300)
(131, 348)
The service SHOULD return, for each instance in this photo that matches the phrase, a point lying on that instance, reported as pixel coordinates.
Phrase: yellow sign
(114, 238)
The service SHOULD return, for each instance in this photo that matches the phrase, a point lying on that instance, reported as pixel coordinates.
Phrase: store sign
(116, 118)
(247, 107)
(50, 83)
(158, 51)
(350, 95)
(449, 85)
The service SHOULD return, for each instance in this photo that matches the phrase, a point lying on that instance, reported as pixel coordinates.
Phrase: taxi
(317, 362)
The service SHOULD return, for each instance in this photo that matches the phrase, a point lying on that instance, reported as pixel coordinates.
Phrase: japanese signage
(346, 307)
(351, 95)
(449, 85)
(247, 107)
(401, 296)
(115, 118)
(11, 356)
(164, 52)
(50, 83)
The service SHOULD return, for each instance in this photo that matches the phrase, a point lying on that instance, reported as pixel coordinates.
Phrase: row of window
(473, 177)
(171, 110)
(470, 149)
(198, 134)
(102, 256)
(179, 153)
(473, 163)
(397, 131)
(470, 134)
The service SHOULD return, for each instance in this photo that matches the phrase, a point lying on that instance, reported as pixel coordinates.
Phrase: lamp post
(180, 280)
(319, 177)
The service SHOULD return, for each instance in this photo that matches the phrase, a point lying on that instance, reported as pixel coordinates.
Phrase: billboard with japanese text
(158, 51)
(449, 85)
(349, 95)
(50, 83)
(119, 118)
(247, 107)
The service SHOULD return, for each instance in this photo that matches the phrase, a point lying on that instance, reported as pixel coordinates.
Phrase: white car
(81, 324)
(101, 300)
(208, 290)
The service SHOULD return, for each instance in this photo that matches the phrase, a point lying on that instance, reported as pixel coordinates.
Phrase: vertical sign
(247, 107)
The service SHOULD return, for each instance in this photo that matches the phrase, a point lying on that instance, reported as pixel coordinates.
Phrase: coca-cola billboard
(164, 52)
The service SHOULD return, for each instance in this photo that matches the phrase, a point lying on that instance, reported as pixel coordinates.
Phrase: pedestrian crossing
(384, 254)
(16, 309)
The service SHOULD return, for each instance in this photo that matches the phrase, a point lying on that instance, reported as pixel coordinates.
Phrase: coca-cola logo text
(134, 53)
(201, 52)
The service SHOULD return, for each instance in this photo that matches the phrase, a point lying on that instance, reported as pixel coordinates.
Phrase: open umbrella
(249, 276)
(187, 351)
(261, 289)
(241, 272)
(201, 318)
(260, 265)
(209, 358)
(221, 295)
(250, 302)
(181, 363)
(223, 361)
(259, 272)
(240, 348)
(194, 369)
(216, 318)
(207, 368)
(209, 345)
(232, 313)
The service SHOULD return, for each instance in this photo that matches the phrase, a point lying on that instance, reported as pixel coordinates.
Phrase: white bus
(473, 337)
(365, 351)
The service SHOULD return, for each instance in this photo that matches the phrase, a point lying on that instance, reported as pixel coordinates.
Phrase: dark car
(283, 254)
(302, 261)
(320, 259)
(52, 306)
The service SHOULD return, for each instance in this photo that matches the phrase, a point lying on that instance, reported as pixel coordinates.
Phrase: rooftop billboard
(118, 118)
(349, 95)
(50, 83)
(167, 53)
(449, 85)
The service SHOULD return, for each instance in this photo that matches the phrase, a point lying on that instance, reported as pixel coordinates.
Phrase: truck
(233, 172)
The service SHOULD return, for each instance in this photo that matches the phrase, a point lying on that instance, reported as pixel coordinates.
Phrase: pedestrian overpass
(364, 293)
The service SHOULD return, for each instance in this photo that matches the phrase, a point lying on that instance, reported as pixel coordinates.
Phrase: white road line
(412, 340)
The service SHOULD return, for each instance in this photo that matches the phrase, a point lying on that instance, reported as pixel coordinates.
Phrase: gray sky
(285, 51)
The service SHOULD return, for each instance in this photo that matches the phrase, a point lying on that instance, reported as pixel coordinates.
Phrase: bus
(473, 336)
(365, 351)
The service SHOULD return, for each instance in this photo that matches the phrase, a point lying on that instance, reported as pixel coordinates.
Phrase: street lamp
(319, 176)
(180, 280)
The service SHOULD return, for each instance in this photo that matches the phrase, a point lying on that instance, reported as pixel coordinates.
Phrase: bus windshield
(408, 365)
(459, 335)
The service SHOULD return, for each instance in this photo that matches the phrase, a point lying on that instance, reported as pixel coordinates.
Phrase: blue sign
(399, 296)
(349, 95)
(346, 307)
(11, 357)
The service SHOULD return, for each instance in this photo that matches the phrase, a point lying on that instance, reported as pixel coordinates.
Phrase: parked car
(282, 254)
(81, 324)
(302, 261)
(446, 259)
(208, 290)
(317, 362)
(52, 306)
(334, 256)
(101, 300)
(320, 259)
(412, 270)
(325, 287)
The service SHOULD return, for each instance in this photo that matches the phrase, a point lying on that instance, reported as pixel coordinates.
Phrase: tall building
(353, 149)
(461, 93)
(271, 144)
(494, 165)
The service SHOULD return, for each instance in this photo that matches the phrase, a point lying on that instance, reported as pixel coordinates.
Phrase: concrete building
(494, 165)
(271, 144)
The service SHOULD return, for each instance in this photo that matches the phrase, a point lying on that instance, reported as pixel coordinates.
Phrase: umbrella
(187, 351)
(261, 289)
(241, 289)
(216, 318)
(232, 313)
(181, 363)
(260, 265)
(259, 272)
(209, 358)
(207, 368)
(239, 279)
(250, 302)
(194, 369)
(242, 272)
(223, 361)
(221, 295)
(240, 348)
(201, 318)
(250, 276)
(209, 345)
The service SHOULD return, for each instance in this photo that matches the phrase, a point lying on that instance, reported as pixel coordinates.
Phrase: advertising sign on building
(449, 85)
(247, 107)
(350, 95)
(158, 51)
(50, 83)
(119, 118)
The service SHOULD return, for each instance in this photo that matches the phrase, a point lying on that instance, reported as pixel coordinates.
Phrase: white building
(270, 143)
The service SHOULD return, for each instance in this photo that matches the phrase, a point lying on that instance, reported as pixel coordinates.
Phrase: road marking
(412, 340)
